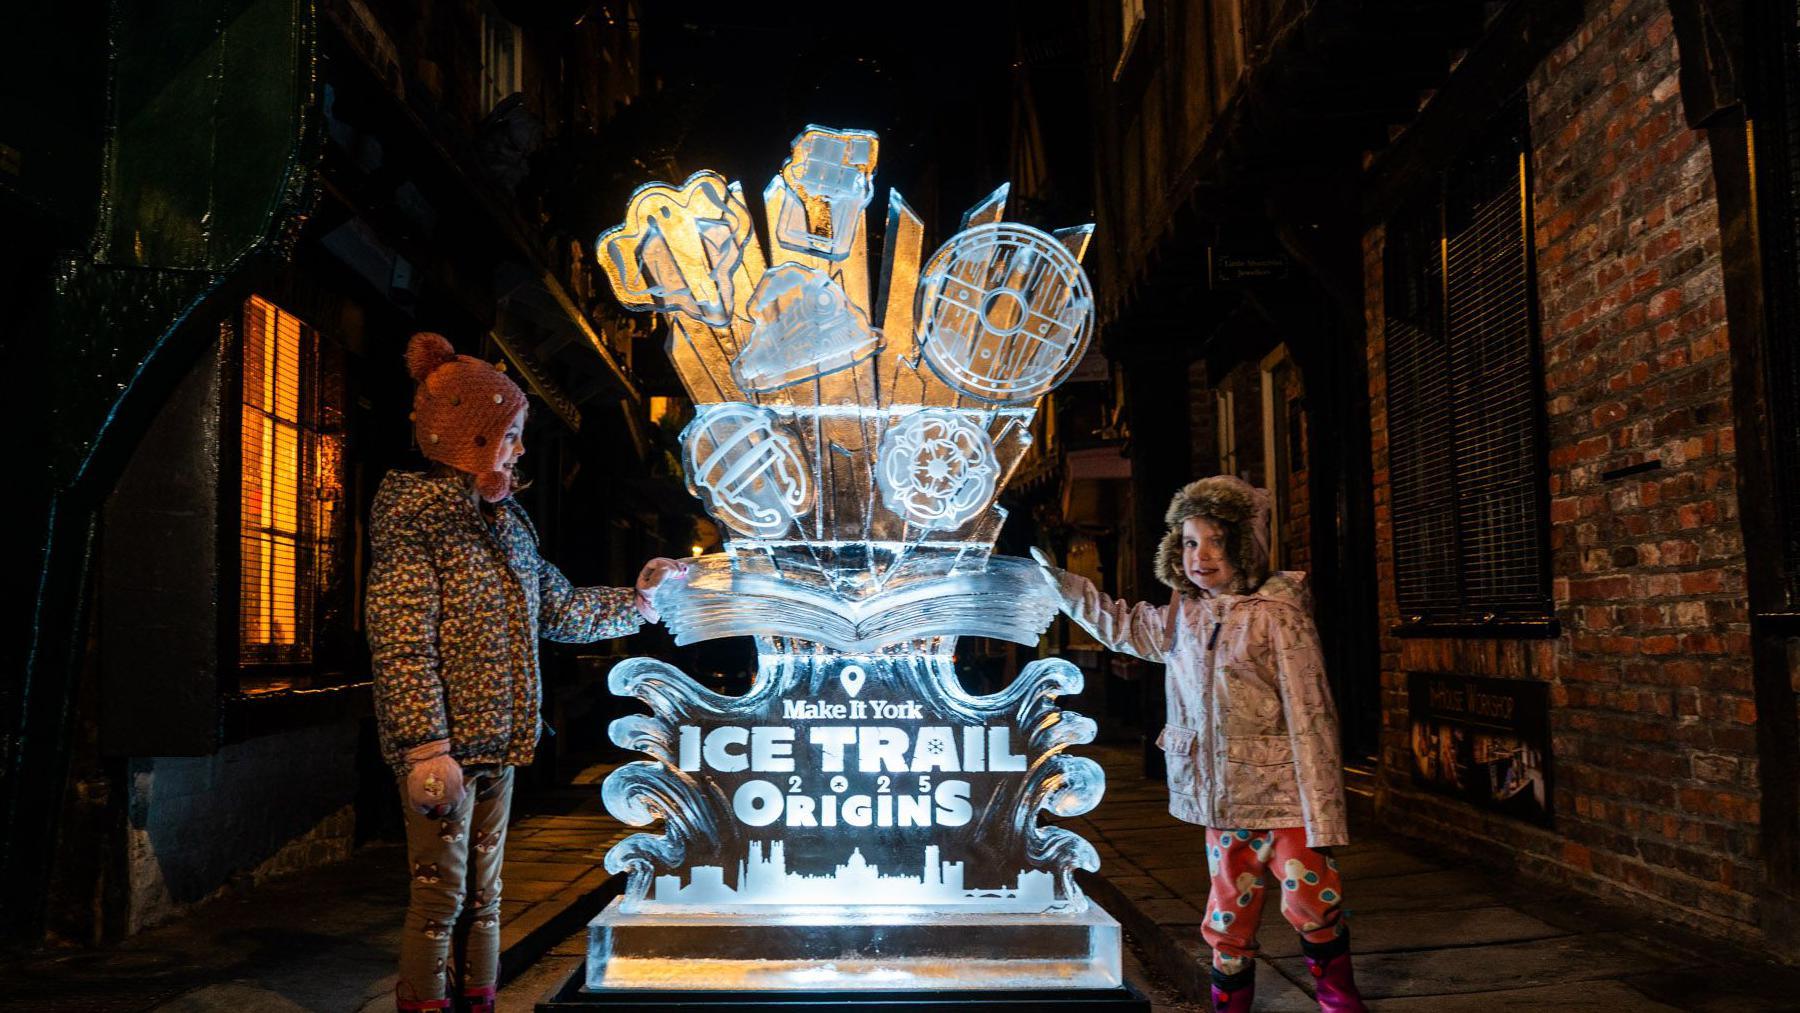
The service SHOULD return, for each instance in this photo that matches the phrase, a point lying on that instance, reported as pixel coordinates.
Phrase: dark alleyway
(1433, 933)
(1492, 298)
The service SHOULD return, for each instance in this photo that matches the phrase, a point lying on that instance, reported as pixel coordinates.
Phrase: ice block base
(573, 998)
(871, 950)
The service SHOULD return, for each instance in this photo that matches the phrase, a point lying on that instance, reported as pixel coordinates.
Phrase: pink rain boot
(1334, 984)
(1234, 993)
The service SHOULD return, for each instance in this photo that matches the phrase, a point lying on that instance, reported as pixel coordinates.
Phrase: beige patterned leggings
(451, 858)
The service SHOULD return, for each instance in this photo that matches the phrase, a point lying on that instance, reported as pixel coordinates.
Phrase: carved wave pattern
(701, 829)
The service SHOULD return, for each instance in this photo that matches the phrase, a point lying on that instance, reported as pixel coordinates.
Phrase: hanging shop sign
(1227, 267)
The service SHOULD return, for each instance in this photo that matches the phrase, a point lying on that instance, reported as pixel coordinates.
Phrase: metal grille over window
(1464, 396)
(290, 487)
(1420, 459)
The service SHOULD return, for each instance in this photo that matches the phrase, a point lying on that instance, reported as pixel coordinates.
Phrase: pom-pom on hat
(461, 408)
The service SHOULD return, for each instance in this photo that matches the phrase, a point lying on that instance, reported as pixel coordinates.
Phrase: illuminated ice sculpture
(805, 327)
(857, 819)
(936, 468)
(829, 180)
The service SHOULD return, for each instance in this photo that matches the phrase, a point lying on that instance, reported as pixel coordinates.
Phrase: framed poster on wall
(1484, 741)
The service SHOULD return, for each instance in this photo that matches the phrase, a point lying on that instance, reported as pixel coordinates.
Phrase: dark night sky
(935, 83)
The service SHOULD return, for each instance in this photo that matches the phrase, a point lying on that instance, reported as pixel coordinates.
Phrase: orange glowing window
(661, 408)
(281, 453)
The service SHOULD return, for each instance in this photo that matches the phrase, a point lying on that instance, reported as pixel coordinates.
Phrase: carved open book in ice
(1008, 600)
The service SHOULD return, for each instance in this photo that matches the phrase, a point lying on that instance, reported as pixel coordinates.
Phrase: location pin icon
(853, 678)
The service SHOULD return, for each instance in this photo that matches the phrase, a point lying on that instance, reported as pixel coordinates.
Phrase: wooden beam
(1717, 92)
(1711, 34)
(1520, 37)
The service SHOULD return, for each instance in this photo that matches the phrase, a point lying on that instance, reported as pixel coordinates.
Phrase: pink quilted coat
(1252, 735)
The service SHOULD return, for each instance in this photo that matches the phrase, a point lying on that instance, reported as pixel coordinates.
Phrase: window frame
(1225, 408)
(1278, 464)
(316, 668)
(493, 91)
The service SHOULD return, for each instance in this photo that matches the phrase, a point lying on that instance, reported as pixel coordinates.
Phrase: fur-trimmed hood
(1237, 506)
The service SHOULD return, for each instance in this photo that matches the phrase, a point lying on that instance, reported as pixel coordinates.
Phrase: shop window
(1465, 398)
(291, 523)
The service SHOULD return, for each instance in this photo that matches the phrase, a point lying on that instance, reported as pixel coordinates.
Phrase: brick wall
(1395, 750)
(1651, 713)
(251, 811)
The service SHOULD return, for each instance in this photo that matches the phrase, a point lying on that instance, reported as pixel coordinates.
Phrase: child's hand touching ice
(650, 578)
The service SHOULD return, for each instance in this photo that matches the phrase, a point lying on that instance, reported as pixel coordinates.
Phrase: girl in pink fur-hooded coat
(1252, 735)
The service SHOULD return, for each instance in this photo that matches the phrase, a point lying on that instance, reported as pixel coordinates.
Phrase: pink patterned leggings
(1244, 863)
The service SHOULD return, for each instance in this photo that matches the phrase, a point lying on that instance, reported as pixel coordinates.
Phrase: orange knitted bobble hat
(461, 408)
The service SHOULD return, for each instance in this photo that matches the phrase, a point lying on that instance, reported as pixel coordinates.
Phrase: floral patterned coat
(1252, 733)
(455, 610)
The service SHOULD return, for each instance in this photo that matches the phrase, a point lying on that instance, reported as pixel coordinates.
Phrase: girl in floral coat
(458, 599)
(1251, 739)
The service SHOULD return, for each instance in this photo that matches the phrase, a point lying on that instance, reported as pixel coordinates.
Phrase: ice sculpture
(678, 248)
(805, 328)
(936, 469)
(1005, 312)
(828, 183)
(857, 819)
(744, 466)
